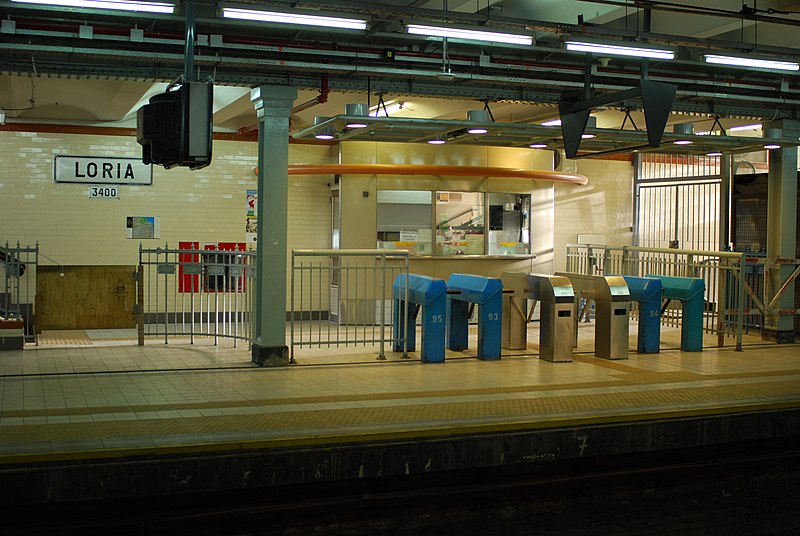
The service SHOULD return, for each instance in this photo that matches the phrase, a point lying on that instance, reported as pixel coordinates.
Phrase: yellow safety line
(371, 437)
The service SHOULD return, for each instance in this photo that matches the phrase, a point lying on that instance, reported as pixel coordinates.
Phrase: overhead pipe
(322, 98)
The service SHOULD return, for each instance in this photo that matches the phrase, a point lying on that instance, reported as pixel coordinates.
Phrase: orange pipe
(425, 169)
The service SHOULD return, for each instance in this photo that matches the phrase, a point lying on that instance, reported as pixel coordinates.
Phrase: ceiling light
(470, 35)
(745, 127)
(294, 18)
(587, 136)
(360, 110)
(437, 141)
(682, 142)
(620, 50)
(325, 133)
(478, 116)
(771, 146)
(752, 62)
(538, 146)
(551, 123)
(714, 153)
(150, 7)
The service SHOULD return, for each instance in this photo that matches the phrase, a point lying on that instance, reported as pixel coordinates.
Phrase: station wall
(209, 205)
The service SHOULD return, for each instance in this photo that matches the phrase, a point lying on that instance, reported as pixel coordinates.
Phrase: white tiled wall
(206, 205)
(602, 207)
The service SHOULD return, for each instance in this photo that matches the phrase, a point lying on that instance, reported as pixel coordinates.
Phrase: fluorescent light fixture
(538, 146)
(294, 18)
(391, 107)
(437, 141)
(620, 50)
(150, 7)
(772, 146)
(324, 135)
(588, 136)
(469, 35)
(477, 130)
(356, 125)
(682, 142)
(757, 126)
(752, 62)
(551, 123)
(714, 153)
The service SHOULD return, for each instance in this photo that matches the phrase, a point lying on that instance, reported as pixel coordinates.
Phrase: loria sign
(99, 170)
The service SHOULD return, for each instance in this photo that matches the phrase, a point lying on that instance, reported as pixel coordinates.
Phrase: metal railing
(724, 274)
(18, 271)
(344, 297)
(195, 293)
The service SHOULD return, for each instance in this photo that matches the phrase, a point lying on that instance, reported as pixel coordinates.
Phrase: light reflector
(620, 50)
(294, 18)
(752, 62)
(150, 7)
(470, 35)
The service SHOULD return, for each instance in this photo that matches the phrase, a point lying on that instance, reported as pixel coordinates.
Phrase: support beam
(273, 105)
(657, 99)
(781, 233)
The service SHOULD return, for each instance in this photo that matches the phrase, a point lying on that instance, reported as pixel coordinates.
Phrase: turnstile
(487, 294)
(647, 292)
(612, 306)
(690, 291)
(555, 296)
(426, 293)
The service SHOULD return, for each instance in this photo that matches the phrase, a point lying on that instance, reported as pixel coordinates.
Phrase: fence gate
(191, 292)
(678, 202)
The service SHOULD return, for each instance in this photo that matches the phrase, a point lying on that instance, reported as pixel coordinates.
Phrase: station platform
(88, 415)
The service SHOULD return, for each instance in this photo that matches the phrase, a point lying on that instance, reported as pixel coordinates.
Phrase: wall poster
(143, 227)
(251, 218)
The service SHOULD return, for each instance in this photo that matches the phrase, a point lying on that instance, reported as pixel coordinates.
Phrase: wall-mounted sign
(101, 170)
(99, 191)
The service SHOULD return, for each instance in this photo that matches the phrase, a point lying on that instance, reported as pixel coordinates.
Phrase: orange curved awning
(425, 169)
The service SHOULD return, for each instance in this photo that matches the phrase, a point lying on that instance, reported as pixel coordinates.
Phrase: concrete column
(781, 232)
(273, 105)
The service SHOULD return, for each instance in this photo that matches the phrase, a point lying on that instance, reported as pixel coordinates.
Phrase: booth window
(460, 223)
(404, 220)
(454, 223)
(509, 224)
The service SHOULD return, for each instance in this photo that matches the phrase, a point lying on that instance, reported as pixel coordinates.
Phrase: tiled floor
(75, 400)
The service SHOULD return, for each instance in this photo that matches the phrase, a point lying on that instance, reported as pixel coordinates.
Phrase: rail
(343, 297)
(195, 293)
(724, 274)
(18, 272)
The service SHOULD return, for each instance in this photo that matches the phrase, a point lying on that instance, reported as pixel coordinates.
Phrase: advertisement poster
(251, 219)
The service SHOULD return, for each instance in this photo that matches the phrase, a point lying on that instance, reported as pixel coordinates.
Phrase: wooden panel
(86, 297)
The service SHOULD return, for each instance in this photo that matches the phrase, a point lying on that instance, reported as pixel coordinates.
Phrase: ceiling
(93, 67)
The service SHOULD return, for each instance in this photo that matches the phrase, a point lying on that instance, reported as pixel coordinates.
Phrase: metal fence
(724, 274)
(344, 297)
(195, 293)
(18, 269)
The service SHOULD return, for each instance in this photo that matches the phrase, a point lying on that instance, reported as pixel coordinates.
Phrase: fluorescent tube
(752, 62)
(620, 50)
(471, 35)
(150, 7)
(294, 18)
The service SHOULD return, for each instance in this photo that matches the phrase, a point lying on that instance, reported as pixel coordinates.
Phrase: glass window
(509, 224)
(404, 220)
(460, 228)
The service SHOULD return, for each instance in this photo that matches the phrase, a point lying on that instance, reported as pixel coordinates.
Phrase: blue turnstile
(487, 294)
(430, 295)
(690, 291)
(647, 292)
